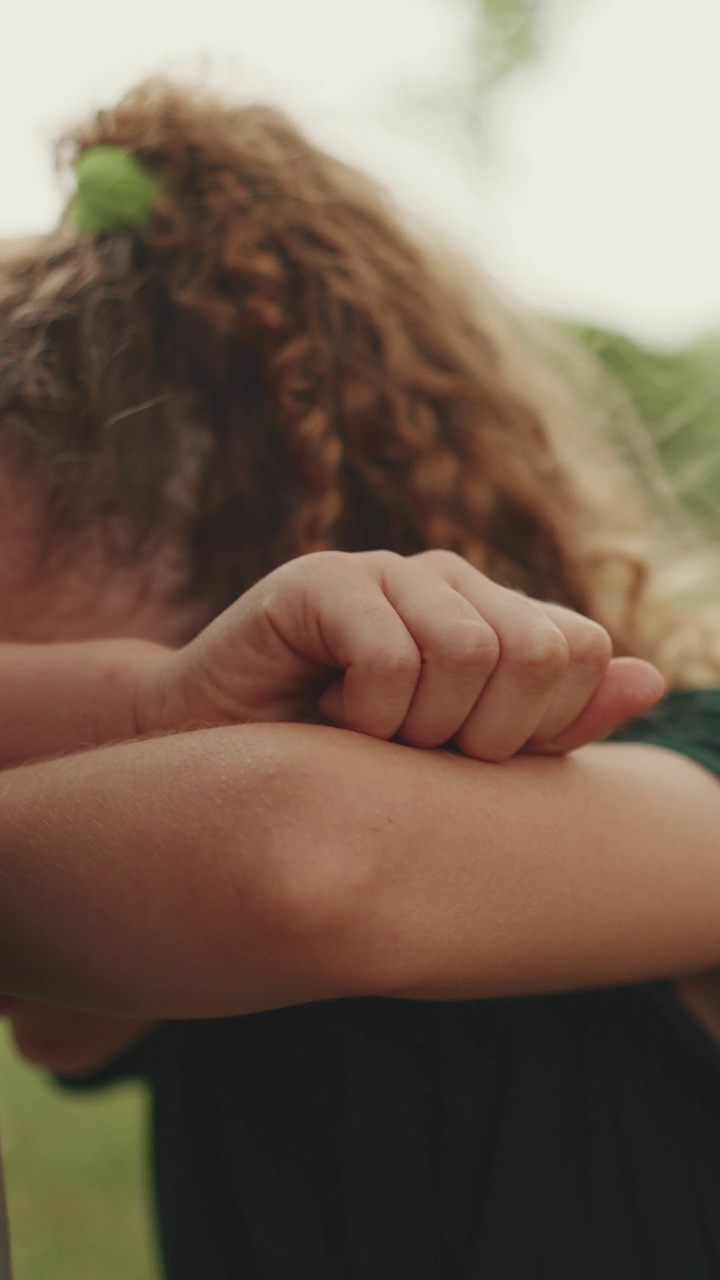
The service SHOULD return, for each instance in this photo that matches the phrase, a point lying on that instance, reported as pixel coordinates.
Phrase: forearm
(135, 877)
(237, 869)
(537, 875)
(63, 697)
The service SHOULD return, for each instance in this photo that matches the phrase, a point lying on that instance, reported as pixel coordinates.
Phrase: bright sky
(603, 199)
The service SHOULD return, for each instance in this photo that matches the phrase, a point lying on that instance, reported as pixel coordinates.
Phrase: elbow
(316, 882)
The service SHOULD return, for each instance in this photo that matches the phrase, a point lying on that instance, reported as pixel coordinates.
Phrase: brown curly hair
(274, 366)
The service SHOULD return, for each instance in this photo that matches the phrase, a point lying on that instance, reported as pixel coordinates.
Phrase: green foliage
(500, 39)
(677, 396)
(505, 37)
(507, 34)
(75, 1178)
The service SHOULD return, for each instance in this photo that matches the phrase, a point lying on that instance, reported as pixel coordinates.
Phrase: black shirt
(572, 1136)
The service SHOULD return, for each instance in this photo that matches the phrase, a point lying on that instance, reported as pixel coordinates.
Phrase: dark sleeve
(140, 1061)
(687, 721)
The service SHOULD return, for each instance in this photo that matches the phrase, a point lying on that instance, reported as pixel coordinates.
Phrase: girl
(239, 359)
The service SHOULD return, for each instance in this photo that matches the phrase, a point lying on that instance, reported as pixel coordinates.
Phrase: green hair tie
(115, 193)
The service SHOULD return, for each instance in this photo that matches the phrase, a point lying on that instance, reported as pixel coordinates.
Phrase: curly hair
(275, 366)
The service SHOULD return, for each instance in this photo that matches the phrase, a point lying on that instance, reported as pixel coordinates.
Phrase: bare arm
(419, 641)
(424, 648)
(246, 868)
(64, 697)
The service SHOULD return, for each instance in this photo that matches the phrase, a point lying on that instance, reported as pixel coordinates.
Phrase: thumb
(629, 687)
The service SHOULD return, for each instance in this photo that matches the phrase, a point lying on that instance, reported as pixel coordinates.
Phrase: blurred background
(568, 145)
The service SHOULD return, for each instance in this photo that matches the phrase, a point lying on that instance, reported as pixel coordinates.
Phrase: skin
(424, 650)
(355, 870)
(107, 802)
(368, 869)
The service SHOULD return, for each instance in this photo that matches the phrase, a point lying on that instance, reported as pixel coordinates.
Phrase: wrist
(132, 680)
(159, 704)
(56, 698)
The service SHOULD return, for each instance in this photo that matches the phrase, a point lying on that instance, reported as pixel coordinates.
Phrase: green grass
(76, 1178)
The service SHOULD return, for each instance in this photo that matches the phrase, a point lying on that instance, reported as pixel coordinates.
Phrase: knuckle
(440, 560)
(315, 558)
(593, 647)
(381, 559)
(469, 647)
(541, 658)
(394, 662)
(308, 567)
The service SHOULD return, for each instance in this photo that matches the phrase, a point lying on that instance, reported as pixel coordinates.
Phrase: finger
(331, 707)
(370, 642)
(589, 655)
(459, 652)
(380, 678)
(334, 615)
(454, 674)
(589, 651)
(532, 661)
(629, 687)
